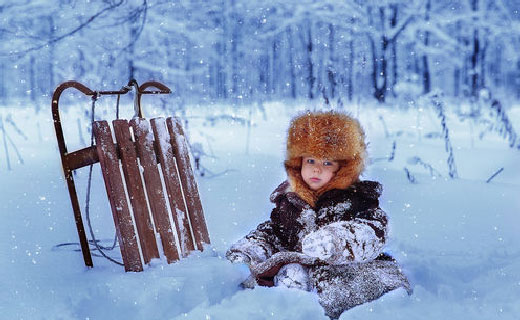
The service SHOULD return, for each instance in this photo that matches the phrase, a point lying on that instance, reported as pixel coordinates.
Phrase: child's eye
(310, 161)
(327, 163)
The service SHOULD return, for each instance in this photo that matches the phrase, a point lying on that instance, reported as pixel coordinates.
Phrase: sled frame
(157, 186)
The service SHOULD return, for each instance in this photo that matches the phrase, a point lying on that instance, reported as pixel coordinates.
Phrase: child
(327, 232)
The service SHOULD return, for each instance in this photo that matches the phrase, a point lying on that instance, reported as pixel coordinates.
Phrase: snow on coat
(339, 241)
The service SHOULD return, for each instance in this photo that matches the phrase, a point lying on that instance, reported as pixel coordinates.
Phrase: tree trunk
(52, 58)
(379, 66)
(332, 63)
(426, 67)
(394, 67)
(379, 62)
(263, 66)
(291, 62)
(220, 70)
(221, 61)
(351, 71)
(393, 24)
(456, 82)
(483, 64)
(32, 81)
(272, 66)
(131, 52)
(234, 50)
(381, 96)
(474, 63)
(3, 90)
(307, 40)
(321, 66)
(81, 64)
(475, 55)
(426, 75)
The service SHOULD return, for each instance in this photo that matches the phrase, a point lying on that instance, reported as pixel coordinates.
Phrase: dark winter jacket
(352, 216)
(350, 271)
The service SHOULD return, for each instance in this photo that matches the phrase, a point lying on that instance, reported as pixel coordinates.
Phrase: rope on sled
(89, 184)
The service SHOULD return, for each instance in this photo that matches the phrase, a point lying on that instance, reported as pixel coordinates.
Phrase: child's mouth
(315, 179)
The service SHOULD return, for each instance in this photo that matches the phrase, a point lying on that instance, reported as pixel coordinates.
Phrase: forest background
(207, 51)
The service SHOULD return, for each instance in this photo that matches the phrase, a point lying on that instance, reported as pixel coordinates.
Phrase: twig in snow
(418, 160)
(410, 176)
(439, 106)
(499, 122)
(387, 134)
(389, 158)
(340, 103)
(9, 119)
(20, 159)
(197, 151)
(503, 125)
(5, 143)
(494, 175)
(392, 155)
(204, 172)
(324, 95)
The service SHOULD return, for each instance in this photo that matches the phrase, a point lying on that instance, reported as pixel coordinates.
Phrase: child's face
(318, 172)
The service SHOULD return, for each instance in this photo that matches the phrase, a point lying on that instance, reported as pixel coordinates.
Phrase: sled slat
(117, 197)
(154, 189)
(189, 186)
(173, 186)
(134, 186)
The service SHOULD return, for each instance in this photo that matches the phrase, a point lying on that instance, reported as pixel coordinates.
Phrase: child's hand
(238, 257)
(319, 245)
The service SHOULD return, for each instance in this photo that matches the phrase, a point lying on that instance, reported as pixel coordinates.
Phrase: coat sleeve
(256, 247)
(359, 239)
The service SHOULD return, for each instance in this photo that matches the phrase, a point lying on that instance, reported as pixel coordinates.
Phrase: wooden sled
(155, 197)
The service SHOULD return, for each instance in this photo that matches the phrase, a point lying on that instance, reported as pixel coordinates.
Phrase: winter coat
(339, 240)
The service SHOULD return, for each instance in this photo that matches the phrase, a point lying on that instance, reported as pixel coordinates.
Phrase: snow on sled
(156, 194)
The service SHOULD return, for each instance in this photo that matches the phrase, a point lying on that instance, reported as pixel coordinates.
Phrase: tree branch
(70, 33)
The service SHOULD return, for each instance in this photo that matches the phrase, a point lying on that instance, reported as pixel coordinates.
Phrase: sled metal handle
(140, 90)
(162, 89)
(88, 155)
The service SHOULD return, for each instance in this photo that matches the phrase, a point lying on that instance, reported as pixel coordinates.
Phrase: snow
(457, 239)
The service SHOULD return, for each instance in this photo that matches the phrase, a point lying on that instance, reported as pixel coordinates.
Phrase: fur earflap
(329, 135)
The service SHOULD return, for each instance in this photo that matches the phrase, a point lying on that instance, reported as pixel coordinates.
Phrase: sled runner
(155, 196)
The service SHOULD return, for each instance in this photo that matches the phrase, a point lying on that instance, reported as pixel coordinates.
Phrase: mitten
(321, 244)
(343, 242)
(238, 257)
(293, 275)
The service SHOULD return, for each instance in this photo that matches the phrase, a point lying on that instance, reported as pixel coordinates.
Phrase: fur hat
(329, 135)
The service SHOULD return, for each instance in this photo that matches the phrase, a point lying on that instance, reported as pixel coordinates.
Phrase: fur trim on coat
(329, 135)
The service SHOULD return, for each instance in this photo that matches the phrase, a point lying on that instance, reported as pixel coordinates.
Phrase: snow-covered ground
(457, 239)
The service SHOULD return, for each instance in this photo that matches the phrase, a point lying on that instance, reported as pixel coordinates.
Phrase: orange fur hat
(329, 135)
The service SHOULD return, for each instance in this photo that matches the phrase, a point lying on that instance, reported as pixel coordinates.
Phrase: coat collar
(284, 190)
(367, 189)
